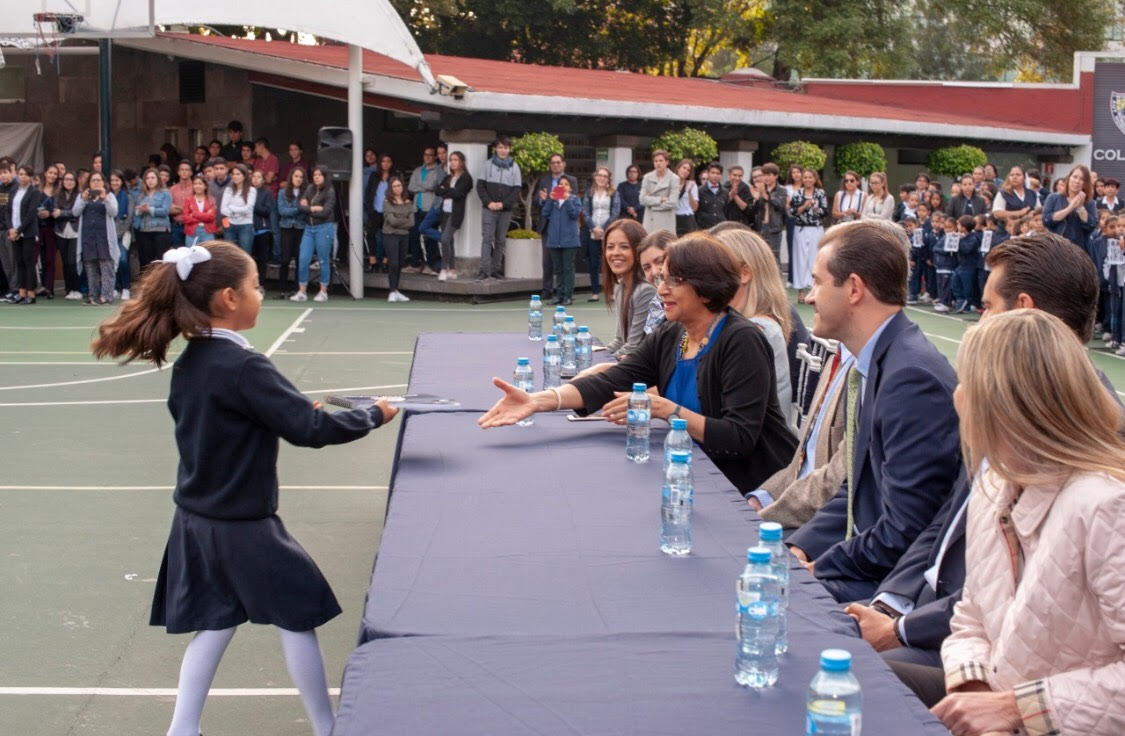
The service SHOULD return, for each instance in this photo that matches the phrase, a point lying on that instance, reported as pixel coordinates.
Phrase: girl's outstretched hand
(388, 410)
(516, 404)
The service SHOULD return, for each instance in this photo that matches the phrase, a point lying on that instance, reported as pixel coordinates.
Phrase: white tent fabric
(370, 24)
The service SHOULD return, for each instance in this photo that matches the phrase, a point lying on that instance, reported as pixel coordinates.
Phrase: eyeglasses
(671, 281)
(849, 180)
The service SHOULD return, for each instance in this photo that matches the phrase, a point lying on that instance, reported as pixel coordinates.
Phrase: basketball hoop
(57, 25)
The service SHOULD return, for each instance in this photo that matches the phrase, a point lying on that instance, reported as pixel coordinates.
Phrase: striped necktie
(852, 417)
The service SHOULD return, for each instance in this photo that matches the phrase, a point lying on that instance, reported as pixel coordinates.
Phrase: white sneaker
(300, 296)
(941, 308)
(1107, 336)
(398, 296)
(1120, 350)
(321, 297)
(427, 271)
(451, 275)
(73, 296)
(443, 275)
(125, 295)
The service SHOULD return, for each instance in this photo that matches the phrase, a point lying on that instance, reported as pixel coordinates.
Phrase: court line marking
(99, 363)
(353, 388)
(67, 327)
(84, 381)
(325, 352)
(170, 488)
(164, 692)
(288, 332)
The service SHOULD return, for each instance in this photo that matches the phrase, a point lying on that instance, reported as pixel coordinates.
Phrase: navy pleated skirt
(218, 573)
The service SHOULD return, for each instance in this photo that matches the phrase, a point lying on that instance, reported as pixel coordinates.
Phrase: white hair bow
(185, 258)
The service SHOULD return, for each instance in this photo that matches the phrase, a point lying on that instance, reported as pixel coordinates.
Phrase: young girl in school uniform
(229, 558)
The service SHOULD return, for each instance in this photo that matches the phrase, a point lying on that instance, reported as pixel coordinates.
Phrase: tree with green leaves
(532, 153)
(862, 157)
(690, 143)
(799, 153)
(955, 161)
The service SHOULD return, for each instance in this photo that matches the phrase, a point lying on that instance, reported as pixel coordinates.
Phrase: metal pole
(105, 116)
(355, 198)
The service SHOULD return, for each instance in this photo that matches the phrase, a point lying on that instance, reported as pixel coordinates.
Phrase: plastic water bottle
(769, 536)
(677, 440)
(638, 418)
(758, 599)
(583, 348)
(835, 701)
(557, 321)
(675, 507)
(552, 362)
(569, 347)
(535, 319)
(524, 377)
(755, 661)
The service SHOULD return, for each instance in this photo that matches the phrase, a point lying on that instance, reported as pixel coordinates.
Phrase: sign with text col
(1109, 120)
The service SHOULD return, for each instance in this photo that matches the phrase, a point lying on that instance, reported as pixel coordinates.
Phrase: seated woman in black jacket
(712, 367)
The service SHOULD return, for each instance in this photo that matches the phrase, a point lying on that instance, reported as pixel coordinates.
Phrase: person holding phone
(560, 216)
(98, 251)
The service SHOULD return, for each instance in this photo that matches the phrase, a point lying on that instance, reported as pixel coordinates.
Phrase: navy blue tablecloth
(549, 529)
(461, 365)
(621, 685)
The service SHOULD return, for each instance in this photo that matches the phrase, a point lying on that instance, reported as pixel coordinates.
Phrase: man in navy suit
(904, 435)
(909, 616)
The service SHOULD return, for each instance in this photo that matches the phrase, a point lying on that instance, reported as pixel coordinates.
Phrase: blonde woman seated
(1038, 638)
(761, 299)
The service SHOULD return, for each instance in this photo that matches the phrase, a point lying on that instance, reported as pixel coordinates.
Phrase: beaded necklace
(702, 343)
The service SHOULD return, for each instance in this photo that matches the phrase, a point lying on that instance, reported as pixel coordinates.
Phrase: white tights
(201, 660)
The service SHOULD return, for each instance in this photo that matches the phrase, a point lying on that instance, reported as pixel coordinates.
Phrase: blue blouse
(682, 387)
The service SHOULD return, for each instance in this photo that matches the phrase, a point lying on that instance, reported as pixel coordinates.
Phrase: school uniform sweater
(944, 262)
(230, 405)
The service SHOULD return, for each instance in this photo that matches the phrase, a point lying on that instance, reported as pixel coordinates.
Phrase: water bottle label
(636, 416)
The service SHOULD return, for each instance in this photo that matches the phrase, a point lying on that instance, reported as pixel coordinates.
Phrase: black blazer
(957, 206)
(745, 433)
(457, 193)
(544, 182)
(928, 624)
(907, 456)
(29, 212)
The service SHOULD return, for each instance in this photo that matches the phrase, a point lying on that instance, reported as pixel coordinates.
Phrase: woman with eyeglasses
(848, 202)
(711, 366)
(879, 204)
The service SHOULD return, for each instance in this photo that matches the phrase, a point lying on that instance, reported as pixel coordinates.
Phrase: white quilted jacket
(1058, 637)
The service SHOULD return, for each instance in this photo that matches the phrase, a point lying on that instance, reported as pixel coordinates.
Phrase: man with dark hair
(8, 186)
(296, 152)
(712, 199)
(1109, 200)
(425, 252)
(499, 191)
(900, 469)
(771, 202)
(910, 613)
(543, 188)
(230, 151)
(738, 196)
(266, 162)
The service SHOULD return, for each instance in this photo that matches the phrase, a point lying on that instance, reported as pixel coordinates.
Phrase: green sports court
(85, 505)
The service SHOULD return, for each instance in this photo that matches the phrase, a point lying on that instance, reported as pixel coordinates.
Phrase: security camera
(452, 86)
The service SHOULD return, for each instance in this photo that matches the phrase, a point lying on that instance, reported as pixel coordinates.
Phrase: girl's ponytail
(168, 306)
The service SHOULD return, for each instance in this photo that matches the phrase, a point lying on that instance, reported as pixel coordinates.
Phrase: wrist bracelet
(558, 396)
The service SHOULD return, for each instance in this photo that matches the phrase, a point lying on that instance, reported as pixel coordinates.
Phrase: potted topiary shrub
(799, 153)
(956, 160)
(523, 255)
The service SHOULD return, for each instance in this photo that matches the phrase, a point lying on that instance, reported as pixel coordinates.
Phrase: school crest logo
(1117, 109)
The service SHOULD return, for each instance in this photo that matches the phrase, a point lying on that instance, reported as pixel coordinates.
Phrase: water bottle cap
(835, 660)
(756, 610)
(759, 555)
(769, 531)
(523, 361)
(560, 310)
(569, 318)
(681, 457)
(678, 423)
(640, 387)
(552, 338)
(535, 297)
(583, 328)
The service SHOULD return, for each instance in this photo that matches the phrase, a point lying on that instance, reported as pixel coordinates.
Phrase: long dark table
(519, 586)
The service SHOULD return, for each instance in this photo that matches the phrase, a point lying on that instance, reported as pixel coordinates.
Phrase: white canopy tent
(363, 24)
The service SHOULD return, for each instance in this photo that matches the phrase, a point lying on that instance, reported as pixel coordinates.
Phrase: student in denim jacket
(560, 216)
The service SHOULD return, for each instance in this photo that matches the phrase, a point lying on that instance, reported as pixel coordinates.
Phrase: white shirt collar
(222, 333)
